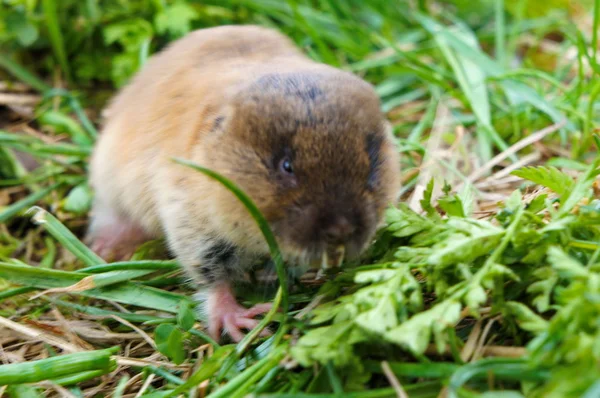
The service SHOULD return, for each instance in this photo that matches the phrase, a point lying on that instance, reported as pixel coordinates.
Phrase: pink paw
(112, 251)
(226, 314)
(115, 241)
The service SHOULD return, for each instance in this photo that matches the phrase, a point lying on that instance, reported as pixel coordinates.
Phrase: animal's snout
(339, 231)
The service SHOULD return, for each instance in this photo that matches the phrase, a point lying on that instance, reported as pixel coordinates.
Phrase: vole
(307, 142)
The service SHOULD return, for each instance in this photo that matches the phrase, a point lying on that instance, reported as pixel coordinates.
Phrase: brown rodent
(307, 142)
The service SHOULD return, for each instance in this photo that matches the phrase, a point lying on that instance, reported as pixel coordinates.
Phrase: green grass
(480, 283)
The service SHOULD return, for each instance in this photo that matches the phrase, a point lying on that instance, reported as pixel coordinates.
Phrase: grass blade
(125, 293)
(517, 92)
(425, 370)
(471, 79)
(23, 391)
(419, 390)
(237, 386)
(15, 292)
(243, 345)
(40, 149)
(262, 224)
(518, 368)
(77, 378)
(131, 317)
(55, 367)
(121, 386)
(595, 29)
(65, 123)
(500, 32)
(132, 265)
(207, 370)
(325, 52)
(17, 207)
(99, 280)
(593, 391)
(77, 108)
(65, 237)
(22, 74)
(55, 35)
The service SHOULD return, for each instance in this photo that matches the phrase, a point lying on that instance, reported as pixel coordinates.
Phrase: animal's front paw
(225, 314)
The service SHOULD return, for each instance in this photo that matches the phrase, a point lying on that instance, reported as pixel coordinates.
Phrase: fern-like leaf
(549, 177)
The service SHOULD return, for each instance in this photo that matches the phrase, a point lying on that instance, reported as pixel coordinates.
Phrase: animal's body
(307, 142)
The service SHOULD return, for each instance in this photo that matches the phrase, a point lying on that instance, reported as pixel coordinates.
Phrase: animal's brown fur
(236, 99)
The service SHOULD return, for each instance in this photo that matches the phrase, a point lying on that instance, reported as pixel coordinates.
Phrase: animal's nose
(339, 231)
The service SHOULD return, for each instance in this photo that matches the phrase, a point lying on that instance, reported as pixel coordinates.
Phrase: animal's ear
(218, 122)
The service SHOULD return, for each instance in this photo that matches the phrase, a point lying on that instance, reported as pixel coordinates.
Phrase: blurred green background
(92, 47)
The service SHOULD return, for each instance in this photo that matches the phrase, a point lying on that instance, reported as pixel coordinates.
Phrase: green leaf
(415, 333)
(185, 316)
(502, 394)
(516, 92)
(426, 201)
(476, 239)
(514, 201)
(161, 336)
(25, 32)
(329, 343)
(537, 204)
(79, 200)
(549, 177)
(475, 297)
(452, 205)
(131, 34)
(65, 236)
(24, 390)
(467, 199)
(175, 19)
(519, 93)
(519, 369)
(175, 346)
(566, 265)
(22, 73)
(169, 341)
(374, 276)
(542, 289)
(404, 222)
(581, 188)
(381, 318)
(526, 318)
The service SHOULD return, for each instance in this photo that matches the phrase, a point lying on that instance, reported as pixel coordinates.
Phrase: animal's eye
(285, 166)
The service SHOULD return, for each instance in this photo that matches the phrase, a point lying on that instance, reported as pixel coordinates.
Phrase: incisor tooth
(340, 251)
(333, 257)
(324, 260)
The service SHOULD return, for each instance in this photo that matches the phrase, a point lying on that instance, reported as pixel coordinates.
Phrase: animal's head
(315, 153)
